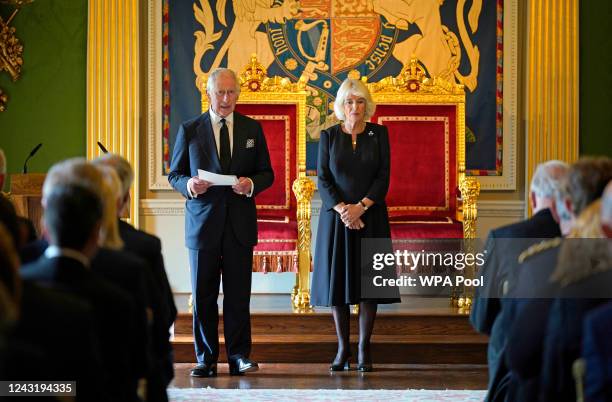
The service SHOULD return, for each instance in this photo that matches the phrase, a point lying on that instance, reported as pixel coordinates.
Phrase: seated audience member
(8, 217)
(584, 274)
(534, 288)
(122, 269)
(72, 219)
(8, 305)
(148, 247)
(27, 231)
(491, 314)
(68, 349)
(597, 354)
(126, 271)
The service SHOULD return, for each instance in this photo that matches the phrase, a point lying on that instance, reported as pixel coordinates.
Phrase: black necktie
(225, 154)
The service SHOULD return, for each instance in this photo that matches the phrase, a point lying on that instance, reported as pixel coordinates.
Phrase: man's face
(224, 97)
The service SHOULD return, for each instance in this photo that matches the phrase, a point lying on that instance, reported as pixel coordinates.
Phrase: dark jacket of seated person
(72, 217)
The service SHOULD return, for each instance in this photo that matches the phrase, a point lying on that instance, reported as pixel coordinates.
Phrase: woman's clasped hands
(351, 215)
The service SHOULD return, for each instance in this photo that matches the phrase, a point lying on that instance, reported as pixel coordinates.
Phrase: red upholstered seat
(449, 229)
(425, 227)
(276, 206)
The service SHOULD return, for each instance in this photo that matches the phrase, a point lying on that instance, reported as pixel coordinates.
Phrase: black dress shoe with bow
(204, 370)
(240, 365)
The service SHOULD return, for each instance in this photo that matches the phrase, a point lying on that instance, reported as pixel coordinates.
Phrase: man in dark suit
(491, 313)
(548, 324)
(72, 216)
(148, 247)
(221, 221)
(597, 353)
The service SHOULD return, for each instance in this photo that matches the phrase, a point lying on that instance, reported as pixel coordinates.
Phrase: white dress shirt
(215, 121)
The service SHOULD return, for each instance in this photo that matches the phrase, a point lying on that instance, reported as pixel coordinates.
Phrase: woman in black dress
(354, 168)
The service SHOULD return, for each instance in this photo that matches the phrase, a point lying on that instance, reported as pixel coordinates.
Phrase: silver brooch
(371, 133)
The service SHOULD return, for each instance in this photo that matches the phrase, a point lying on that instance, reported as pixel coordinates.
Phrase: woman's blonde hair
(357, 88)
(585, 251)
(111, 198)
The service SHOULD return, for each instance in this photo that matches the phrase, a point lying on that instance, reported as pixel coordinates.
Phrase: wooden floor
(317, 376)
(417, 331)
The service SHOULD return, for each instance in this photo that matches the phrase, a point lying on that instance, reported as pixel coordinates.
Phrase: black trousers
(234, 261)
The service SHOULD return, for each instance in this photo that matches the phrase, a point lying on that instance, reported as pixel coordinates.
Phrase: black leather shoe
(240, 365)
(204, 370)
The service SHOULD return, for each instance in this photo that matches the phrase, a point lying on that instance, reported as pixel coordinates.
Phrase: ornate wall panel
(113, 83)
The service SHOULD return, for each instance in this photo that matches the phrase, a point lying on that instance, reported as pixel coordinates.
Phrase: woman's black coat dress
(347, 175)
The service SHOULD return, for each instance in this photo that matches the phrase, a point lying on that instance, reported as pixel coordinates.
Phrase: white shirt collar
(216, 119)
(54, 252)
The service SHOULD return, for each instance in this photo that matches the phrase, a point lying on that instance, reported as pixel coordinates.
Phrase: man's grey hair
(121, 166)
(548, 177)
(586, 181)
(73, 171)
(211, 84)
(2, 162)
(356, 88)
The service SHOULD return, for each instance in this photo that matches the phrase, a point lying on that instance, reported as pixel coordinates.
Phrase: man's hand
(197, 185)
(243, 187)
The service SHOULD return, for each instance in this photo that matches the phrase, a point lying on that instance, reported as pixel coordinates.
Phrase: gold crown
(253, 74)
(413, 74)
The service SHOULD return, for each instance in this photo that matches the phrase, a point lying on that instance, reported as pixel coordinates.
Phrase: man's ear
(555, 212)
(570, 207)
(532, 199)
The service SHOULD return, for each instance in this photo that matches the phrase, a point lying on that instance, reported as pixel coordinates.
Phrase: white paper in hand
(217, 179)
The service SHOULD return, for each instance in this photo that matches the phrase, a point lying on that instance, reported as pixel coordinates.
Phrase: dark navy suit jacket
(493, 310)
(205, 215)
(597, 352)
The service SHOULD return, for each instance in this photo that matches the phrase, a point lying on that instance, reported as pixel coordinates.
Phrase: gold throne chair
(430, 196)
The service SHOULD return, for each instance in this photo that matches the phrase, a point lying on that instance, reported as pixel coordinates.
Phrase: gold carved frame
(411, 87)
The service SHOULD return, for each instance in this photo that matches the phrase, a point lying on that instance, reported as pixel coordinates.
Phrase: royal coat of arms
(321, 41)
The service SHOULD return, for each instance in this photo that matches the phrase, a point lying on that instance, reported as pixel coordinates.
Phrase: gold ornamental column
(113, 99)
(552, 82)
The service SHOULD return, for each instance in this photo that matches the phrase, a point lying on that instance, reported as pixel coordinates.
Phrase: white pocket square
(250, 143)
